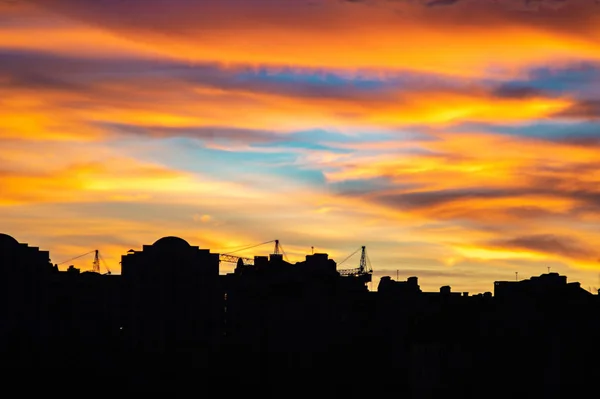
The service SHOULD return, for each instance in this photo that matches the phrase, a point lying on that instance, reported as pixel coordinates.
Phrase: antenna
(312, 250)
(516, 276)
(548, 269)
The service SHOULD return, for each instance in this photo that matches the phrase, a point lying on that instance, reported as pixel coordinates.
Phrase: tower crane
(364, 271)
(95, 264)
(230, 258)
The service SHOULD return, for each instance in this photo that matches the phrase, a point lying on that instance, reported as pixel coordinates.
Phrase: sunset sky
(458, 140)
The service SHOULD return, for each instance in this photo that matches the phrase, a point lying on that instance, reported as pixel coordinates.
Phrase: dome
(6, 240)
(171, 243)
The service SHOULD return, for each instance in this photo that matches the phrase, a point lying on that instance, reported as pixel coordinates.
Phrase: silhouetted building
(546, 286)
(24, 298)
(173, 301)
(292, 314)
(270, 319)
(410, 287)
(85, 318)
(20, 261)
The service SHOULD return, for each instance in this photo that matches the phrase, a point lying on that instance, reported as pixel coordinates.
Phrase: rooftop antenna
(396, 274)
(548, 269)
(516, 276)
(312, 250)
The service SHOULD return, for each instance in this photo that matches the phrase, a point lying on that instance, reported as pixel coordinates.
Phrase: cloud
(436, 3)
(96, 179)
(202, 218)
(524, 183)
(557, 131)
(563, 246)
(518, 92)
(432, 198)
(89, 100)
(91, 175)
(584, 109)
(204, 133)
(325, 34)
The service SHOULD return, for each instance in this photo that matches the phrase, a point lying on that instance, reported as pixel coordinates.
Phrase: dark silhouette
(169, 319)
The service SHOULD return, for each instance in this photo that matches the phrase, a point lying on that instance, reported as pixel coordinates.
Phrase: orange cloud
(490, 189)
(79, 174)
(458, 160)
(86, 114)
(390, 35)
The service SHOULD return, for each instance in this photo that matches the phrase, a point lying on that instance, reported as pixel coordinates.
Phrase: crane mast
(364, 270)
(363, 260)
(276, 250)
(96, 263)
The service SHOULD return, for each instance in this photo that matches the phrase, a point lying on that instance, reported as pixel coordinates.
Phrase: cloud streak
(325, 34)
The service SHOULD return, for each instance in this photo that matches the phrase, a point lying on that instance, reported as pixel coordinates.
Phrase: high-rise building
(172, 298)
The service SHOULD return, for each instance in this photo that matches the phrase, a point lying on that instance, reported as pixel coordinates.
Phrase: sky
(458, 140)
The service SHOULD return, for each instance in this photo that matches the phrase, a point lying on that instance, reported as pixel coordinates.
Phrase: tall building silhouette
(547, 286)
(292, 315)
(24, 299)
(173, 302)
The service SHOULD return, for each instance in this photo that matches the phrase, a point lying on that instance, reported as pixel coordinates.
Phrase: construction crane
(230, 258)
(95, 264)
(364, 271)
(98, 256)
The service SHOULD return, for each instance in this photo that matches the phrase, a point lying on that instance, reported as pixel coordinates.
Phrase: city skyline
(93, 261)
(457, 140)
(270, 321)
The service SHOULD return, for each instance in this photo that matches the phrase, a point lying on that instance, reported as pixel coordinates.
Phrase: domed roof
(6, 240)
(171, 243)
